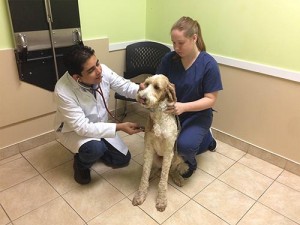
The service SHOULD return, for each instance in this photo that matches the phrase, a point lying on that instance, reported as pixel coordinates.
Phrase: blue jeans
(92, 151)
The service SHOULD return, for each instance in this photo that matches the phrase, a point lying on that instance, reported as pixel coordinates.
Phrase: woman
(197, 81)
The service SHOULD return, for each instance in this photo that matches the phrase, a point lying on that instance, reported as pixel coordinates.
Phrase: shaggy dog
(160, 136)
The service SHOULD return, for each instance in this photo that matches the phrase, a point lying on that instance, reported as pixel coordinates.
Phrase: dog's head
(157, 89)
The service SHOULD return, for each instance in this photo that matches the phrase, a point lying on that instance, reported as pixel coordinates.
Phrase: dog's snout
(141, 98)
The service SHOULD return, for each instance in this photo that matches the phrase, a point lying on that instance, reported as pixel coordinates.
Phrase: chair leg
(124, 114)
(125, 110)
(116, 104)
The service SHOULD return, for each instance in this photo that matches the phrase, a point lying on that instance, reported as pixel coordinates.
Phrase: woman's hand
(129, 128)
(176, 108)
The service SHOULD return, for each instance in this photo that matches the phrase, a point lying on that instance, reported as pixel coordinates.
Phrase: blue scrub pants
(193, 140)
(92, 151)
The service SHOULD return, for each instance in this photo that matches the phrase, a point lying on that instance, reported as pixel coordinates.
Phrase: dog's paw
(161, 204)
(139, 198)
(178, 180)
(182, 168)
(178, 168)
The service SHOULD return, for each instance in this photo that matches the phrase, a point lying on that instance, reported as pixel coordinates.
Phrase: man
(81, 118)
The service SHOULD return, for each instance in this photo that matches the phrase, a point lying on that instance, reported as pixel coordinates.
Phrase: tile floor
(229, 187)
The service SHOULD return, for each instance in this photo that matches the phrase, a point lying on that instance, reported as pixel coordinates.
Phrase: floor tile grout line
(38, 174)
(227, 169)
(45, 203)
(178, 188)
(124, 197)
(285, 184)
(72, 207)
(23, 180)
(211, 211)
(127, 196)
(258, 202)
(1, 206)
(244, 153)
(239, 190)
(247, 212)
(63, 162)
(255, 170)
(143, 210)
(272, 208)
(113, 184)
(261, 172)
(190, 199)
(255, 201)
(59, 195)
(11, 159)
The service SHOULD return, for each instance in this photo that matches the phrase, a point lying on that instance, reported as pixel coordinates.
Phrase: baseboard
(258, 152)
(26, 145)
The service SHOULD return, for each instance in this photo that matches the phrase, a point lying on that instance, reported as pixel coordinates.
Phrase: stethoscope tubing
(99, 90)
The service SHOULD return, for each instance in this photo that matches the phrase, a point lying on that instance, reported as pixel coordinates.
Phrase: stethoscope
(99, 90)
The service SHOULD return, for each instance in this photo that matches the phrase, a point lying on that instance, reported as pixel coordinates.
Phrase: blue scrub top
(203, 76)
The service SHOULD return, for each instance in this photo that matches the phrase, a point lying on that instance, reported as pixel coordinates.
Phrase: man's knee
(91, 151)
(115, 159)
(123, 160)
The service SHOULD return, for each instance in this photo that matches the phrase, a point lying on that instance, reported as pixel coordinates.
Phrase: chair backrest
(143, 58)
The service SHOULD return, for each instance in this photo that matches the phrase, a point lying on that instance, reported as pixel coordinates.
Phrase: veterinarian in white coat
(81, 118)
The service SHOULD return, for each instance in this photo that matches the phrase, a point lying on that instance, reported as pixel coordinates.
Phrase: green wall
(262, 31)
(266, 32)
(6, 40)
(119, 20)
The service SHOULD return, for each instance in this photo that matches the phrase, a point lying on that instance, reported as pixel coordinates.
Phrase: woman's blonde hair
(190, 27)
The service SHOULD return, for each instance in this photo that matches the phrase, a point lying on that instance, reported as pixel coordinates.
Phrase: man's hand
(129, 128)
(142, 86)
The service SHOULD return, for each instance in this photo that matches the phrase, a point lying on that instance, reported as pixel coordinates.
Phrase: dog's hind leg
(141, 194)
(178, 168)
(161, 200)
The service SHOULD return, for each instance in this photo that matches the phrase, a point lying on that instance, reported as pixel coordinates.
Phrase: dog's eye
(156, 87)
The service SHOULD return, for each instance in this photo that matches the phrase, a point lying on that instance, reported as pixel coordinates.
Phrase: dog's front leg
(161, 200)
(141, 194)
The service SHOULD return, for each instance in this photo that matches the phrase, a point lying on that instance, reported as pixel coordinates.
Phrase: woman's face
(183, 45)
(91, 73)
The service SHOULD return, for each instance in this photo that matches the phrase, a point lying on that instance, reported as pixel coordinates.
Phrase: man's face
(92, 70)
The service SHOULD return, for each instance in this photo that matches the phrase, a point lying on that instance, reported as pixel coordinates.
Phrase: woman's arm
(206, 102)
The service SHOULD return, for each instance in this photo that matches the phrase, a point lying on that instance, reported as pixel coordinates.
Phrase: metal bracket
(77, 36)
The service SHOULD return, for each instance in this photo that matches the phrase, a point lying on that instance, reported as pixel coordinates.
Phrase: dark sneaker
(213, 146)
(188, 173)
(81, 175)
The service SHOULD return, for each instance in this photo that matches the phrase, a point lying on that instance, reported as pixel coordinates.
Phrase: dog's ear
(171, 95)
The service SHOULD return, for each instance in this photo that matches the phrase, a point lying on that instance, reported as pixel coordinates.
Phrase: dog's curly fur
(160, 136)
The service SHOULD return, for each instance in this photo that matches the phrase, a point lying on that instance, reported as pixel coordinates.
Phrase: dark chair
(141, 58)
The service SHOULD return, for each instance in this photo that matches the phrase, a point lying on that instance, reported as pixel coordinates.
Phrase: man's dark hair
(76, 57)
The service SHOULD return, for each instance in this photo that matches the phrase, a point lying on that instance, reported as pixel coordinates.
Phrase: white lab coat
(81, 117)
